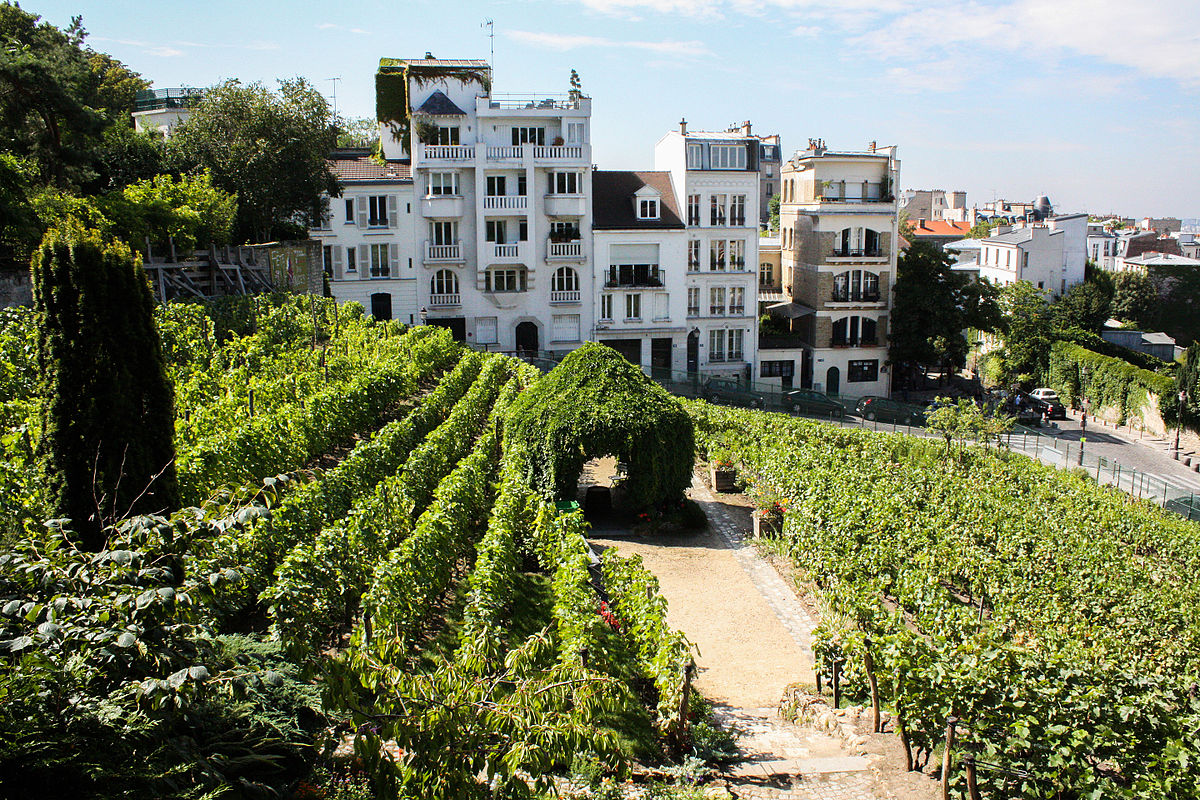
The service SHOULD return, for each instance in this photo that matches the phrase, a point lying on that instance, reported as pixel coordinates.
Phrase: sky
(1091, 102)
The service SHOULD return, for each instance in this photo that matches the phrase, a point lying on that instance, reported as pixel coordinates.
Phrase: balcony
(565, 205)
(854, 297)
(444, 300)
(513, 153)
(510, 252)
(552, 102)
(860, 342)
(565, 297)
(693, 311)
(445, 152)
(846, 252)
(442, 205)
(564, 251)
(882, 199)
(781, 341)
(737, 311)
(505, 202)
(628, 277)
(558, 154)
(716, 311)
(443, 253)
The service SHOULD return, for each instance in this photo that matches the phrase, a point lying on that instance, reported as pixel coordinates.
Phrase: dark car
(873, 407)
(1046, 400)
(808, 401)
(726, 390)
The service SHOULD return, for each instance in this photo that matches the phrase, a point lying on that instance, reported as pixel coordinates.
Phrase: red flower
(608, 616)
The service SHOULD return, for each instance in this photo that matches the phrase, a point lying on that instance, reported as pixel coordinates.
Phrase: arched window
(857, 286)
(443, 282)
(566, 279)
(854, 332)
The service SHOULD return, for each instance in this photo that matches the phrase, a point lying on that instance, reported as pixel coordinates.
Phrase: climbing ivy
(391, 90)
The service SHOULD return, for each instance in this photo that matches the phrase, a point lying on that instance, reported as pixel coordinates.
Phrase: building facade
(716, 180)
(838, 244)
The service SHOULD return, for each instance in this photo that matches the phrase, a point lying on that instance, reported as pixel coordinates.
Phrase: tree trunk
(869, 665)
(947, 759)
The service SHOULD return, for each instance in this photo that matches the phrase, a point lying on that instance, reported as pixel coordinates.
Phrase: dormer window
(648, 208)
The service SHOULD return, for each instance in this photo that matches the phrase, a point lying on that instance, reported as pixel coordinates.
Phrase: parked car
(1050, 398)
(726, 390)
(873, 407)
(808, 401)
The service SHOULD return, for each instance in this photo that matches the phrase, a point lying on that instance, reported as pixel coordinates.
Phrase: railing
(717, 266)
(443, 300)
(693, 311)
(737, 311)
(502, 153)
(846, 252)
(867, 199)
(717, 220)
(653, 278)
(448, 152)
(693, 219)
(737, 221)
(572, 151)
(564, 249)
(564, 297)
(860, 342)
(737, 264)
(781, 341)
(505, 201)
(693, 266)
(443, 252)
(519, 101)
(716, 311)
(506, 250)
(156, 99)
(854, 297)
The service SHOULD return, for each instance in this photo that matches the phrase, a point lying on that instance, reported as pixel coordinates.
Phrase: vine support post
(837, 686)
(900, 729)
(972, 784)
(681, 724)
(817, 674)
(251, 401)
(947, 758)
(869, 666)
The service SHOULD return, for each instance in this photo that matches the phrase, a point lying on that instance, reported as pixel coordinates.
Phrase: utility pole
(1179, 420)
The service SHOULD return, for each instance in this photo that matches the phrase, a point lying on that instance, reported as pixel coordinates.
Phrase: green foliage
(357, 132)
(983, 229)
(189, 209)
(106, 444)
(963, 420)
(268, 148)
(1076, 373)
(1174, 312)
(19, 227)
(1093, 341)
(1134, 297)
(1027, 330)
(1084, 306)
(773, 210)
(1188, 382)
(596, 403)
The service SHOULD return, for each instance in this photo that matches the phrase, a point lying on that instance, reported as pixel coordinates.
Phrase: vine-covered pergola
(595, 403)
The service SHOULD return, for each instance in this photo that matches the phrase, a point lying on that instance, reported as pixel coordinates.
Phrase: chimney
(746, 128)
(871, 147)
(429, 55)
(683, 127)
(1001, 229)
(921, 224)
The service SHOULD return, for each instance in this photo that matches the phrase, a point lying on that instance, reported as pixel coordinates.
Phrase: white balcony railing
(564, 250)
(561, 153)
(511, 202)
(443, 252)
(443, 300)
(506, 250)
(448, 152)
(504, 153)
(564, 297)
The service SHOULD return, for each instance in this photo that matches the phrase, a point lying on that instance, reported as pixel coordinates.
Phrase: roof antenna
(334, 81)
(491, 26)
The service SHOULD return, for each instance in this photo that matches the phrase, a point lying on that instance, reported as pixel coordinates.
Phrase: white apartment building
(640, 274)
(367, 237)
(1051, 256)
(716, 182)
(839, 241)
(502, 208)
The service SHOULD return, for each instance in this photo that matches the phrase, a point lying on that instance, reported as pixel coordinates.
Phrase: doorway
(660, 358)
(456, 325)
(527, 338)
(381, 306)
(833, 381)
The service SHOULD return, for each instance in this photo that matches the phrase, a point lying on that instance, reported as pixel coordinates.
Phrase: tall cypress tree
(107, 446)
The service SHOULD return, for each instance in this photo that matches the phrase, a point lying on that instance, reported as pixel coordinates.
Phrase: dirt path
(753, 637)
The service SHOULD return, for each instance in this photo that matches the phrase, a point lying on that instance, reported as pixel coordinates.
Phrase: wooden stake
(908, 756)
(681, 727)
(837, 688)
(972, 786)
(946, 757)
(869, 665)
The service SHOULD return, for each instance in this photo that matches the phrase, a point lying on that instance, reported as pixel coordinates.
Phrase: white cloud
(333, 26)
(562, 42)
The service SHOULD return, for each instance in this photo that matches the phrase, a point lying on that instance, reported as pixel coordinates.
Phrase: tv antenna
(491, 26)
(334, 81)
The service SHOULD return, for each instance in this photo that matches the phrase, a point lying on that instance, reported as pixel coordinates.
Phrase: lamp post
(423, 315)
(1179, 420)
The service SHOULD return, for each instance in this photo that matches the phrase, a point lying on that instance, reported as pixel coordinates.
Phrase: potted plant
(557, 142)
(768, 515)
(721, 474)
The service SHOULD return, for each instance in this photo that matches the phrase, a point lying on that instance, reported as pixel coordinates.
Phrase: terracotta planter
(722, 480)
(767, 525)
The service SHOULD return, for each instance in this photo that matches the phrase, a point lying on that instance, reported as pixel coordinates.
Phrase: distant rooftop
(1163, 260)
(356, 164)
(394, 64)
(156, 99)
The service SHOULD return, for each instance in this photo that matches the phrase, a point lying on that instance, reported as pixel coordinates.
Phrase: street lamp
(1179, 420)
(423, 315)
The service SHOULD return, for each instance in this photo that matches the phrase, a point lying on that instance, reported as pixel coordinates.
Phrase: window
(695, 156)
(716, 255)
(606, 306)
(862, 371)
(694, 255)
(377, 211)
(647, 209)
(575, 132)
(444, 232)
(633, 306)
(528, 135)
(716, 301)
(327, 260)
(634, 275)
(727, 156)
(766, 274)
(854, 332)
(737, 209)
(737, 301)
(737, 254)
(770, 189)
(505, 280)
(734, 351)
(693, 309)
(496, 186)
(777, 369)
(379, 261)
(447, 135)
(443, 282)
(442, 183)
(495, 231)
(521, 186)
(716, 346)
(349, 209)
(351, 259)
(717, 210)
(564, 231)
(564, 328)
(485, 330)
(565, 183)
(693, 209)
(566, 279)
(662, 302)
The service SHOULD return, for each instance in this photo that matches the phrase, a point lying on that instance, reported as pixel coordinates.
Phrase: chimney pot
(683, 126)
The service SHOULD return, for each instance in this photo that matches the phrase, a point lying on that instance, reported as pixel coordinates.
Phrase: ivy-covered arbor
(596, 403)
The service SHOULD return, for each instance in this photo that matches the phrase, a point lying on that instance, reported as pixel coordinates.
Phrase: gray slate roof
(439, 105)
(612, 200)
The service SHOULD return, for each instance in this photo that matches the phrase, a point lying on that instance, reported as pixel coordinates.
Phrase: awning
(790, 310)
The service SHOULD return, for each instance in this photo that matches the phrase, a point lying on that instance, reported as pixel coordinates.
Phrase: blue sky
(1093, 102)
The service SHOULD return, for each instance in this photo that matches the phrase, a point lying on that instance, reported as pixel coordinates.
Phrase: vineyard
(362, 572)
(1041, 628)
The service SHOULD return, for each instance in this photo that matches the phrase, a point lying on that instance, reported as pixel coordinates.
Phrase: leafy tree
(1084, 306)
(116, 85)
(357, 132)
(1027, 330)
(983, 229)
(1188, 381)
(1134, 297)
(269, 148)
(189, 209)
(124, 156)
(18, 220)
(107, 446)
(773, 209)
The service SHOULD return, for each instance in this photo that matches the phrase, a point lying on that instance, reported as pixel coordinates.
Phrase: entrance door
(693, 352)
(527, 338)
(381, 305)
(806, 370)
(660, 359)
(833, 381)
(457, 326)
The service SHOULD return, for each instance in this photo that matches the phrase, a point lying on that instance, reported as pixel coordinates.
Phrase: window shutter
(361, 205)
(660, 305)
(393, 215)
(394, 260)
(337, 263)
